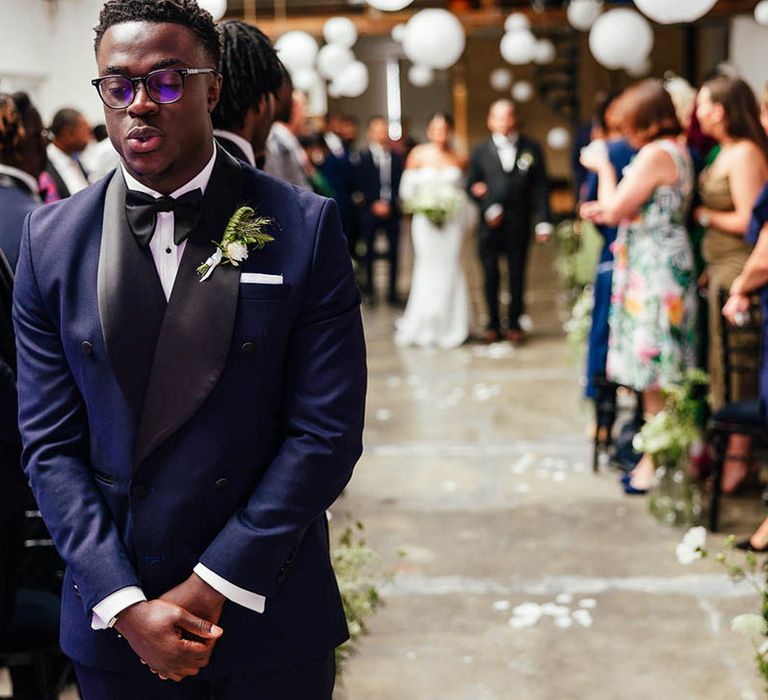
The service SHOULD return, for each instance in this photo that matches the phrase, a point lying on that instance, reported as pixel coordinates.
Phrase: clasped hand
(175, 634)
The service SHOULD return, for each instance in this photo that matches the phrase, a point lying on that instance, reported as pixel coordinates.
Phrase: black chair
(736, 417)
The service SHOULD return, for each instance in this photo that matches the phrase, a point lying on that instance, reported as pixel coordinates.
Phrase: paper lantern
(544, 53)
(341, 31)
(558, 138)
(305, 79)
(761, 12)
(518, 47)
(217, 8)
(501, 79)
(333, 91)
(639, 69)
(582, 14)
(421, 76)
(389, 5)
(353, 80)
(297, 50)
(522, 91)
(674, 11)
(620, 38)
(398, 33)
(516, 21)
(332, 59)
(434, 38)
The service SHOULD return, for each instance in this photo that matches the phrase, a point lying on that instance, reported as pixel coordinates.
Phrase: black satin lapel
(131, 299)
(194, 340)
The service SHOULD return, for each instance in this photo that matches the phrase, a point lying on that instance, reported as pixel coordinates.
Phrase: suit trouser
(392, 228)
(311, 680)
(493, 245)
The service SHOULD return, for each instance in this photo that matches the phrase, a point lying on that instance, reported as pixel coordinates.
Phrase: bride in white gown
(438, 310)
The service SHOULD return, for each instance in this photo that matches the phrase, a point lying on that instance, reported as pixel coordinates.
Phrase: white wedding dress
(438, 310)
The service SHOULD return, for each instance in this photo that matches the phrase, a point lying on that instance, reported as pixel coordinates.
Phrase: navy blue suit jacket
(367, 184)
(217, 429)
(15, 203)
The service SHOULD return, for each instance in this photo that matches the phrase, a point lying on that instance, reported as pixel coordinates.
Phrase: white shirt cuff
(114, 604)
(544, 229)
(493, 211)
(252, 601)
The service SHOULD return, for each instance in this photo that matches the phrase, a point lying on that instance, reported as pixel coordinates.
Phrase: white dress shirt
(244, 144)
(382, 157)
(68, 168)
(167, 257)
(26, 178)
(506, 147)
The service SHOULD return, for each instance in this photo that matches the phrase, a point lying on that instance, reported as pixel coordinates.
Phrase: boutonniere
(244, 230)
(525, 161)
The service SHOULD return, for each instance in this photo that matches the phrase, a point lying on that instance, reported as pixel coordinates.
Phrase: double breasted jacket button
(248, 348)
(139, 491)
(87, 347)
(221, 484)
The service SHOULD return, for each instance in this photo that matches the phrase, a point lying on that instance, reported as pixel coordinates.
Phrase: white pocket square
(259, 278)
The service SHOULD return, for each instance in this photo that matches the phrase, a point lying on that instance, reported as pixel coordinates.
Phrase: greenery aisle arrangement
(668, 438)
(754, 626)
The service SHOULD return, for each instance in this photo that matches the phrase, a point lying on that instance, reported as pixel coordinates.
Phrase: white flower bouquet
(438, 203)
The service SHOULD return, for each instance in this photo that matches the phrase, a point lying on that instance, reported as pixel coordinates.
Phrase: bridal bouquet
(437, 202)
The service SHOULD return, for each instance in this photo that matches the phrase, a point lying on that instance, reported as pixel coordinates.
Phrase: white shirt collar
(500, 140)
(26, 178)
(199, 181)
(244, 145)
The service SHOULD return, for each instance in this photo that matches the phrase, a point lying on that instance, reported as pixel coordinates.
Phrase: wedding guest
(100, 156)
(376, 175)
(71, 135)
(437, 312)
(652, 334)
(22, 159)
(508, 181)
(728, 111)
(286, 159)
(252, 75)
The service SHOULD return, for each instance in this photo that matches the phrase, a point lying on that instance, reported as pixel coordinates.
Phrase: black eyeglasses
(163, 86)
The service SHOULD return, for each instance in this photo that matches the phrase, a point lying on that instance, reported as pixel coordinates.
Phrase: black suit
(233, 149)
(523, 192)
(62, 191)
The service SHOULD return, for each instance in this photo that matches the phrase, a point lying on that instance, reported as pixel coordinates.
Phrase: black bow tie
(142, 210)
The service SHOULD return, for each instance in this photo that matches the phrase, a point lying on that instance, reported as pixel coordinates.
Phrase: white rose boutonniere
(525, 161)
(244, 230)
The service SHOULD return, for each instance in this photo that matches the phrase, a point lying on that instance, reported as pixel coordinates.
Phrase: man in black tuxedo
(376, 173)
(252, 76)
(508, 181)
(71, 134)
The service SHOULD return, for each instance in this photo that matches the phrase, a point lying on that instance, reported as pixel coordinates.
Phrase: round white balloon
(518, 47)
(522, 91)
(421, 76)
(620, 38)
(297, 50)
(501, 79)
(389, 5)
(434, 38)
(217, 8)
(583, 13)
(332, 59)
(558, 138)
(353, 80)
(398, 32)
(545, 52)
(639, 69)
(761, 12)
(305, 79)
(341, 31)
(674, 11)
(516, 21)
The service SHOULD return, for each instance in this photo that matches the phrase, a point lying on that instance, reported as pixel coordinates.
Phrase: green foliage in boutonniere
(244, 230)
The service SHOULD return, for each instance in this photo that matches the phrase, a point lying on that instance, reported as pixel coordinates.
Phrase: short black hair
(441, 116)
(184, 12)
(64, 119)
(251, 70)
(13, 109)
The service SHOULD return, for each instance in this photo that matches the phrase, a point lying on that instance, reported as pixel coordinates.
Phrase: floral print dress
(653, 301)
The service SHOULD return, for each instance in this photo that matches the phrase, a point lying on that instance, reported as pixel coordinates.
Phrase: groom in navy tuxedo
(185, 437)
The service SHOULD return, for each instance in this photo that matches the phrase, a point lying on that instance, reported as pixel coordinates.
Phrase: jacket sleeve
(476, 173)
(324, 406)
(540, 188)
(54, 431)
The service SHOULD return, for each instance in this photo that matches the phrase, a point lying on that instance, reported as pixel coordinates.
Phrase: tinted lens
(165, 86)
(116, 91)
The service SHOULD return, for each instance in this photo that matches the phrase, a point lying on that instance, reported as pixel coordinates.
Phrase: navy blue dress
(759, 219)
(620, 154)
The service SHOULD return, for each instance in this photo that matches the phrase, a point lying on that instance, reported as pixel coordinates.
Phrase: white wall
(749, 51)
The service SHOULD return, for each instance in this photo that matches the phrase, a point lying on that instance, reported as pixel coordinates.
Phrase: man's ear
(214, 93)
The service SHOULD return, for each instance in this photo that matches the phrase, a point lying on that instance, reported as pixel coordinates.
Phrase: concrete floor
(476, 488)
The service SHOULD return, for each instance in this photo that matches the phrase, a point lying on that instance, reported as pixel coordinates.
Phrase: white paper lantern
(389, 5)
(674, 11)
(305, 79)
(522, 91)
(545, 52)
(332, 59)
(501, 79)
(620, 38)
(516, 21)
(341, 31)
(297, 50)
(398, 32)
(421, 76)
(518, 48)
(761, 12)
(333, 90)
(582, 14)
(217, 8)
(558, 138)
(434, 38)
(353, 80)
(639, 69)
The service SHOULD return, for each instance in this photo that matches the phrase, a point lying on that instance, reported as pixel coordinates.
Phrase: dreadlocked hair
(251, 70)
(184, 12)
(12, 132)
